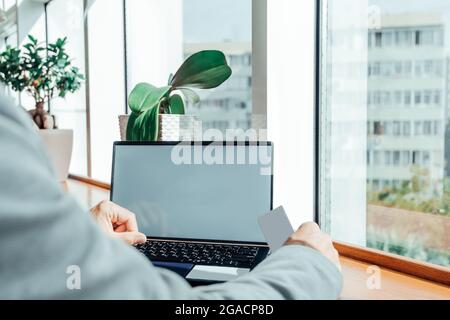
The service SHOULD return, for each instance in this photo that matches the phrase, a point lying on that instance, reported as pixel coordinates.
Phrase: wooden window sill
(401, 278)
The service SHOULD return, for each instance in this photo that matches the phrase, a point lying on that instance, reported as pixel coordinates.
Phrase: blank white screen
(193, 201)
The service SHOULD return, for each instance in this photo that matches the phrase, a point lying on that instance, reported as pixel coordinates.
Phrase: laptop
(198, 203)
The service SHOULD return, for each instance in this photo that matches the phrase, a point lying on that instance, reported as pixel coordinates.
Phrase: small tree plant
(42, 71)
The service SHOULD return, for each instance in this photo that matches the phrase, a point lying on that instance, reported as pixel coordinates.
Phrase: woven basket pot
(172, 127)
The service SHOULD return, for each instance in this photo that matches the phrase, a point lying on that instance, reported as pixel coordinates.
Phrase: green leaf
(204, 70)
(190, 95)
(32, 39)
(145, 96)
(176, 104)
(148, 125)
(170, 79)
(131, 127)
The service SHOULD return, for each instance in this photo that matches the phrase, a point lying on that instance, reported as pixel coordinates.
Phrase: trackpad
(181, 268)
(215, 273)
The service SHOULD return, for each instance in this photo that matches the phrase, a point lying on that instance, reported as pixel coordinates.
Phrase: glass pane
(7, 4)
(384, 153)
(178, 28)
(107, 82)
(33, 20)
(65, 19)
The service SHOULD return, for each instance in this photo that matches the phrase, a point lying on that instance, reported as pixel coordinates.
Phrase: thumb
(132, 237)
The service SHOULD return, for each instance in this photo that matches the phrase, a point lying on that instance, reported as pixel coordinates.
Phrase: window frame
(380, 258)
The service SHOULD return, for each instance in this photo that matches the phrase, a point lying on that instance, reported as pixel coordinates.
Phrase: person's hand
(117, 222)
(309, 234)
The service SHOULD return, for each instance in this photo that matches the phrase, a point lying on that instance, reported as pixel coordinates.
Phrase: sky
(217, 20)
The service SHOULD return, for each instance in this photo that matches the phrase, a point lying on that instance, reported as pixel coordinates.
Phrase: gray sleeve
(51, 248)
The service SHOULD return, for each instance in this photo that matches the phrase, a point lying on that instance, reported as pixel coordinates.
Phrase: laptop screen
(214, 192)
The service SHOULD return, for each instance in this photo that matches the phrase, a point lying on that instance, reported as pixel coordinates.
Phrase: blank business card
(276, 228)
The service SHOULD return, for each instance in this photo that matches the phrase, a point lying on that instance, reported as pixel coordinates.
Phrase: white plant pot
(59, 145)
(172, 127)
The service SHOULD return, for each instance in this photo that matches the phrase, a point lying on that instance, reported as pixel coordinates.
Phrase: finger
(309, 227)
(120, 228)
(125, 217)
(131, 237)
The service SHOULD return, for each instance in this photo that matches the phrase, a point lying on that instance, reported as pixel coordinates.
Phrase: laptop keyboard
(200, 253)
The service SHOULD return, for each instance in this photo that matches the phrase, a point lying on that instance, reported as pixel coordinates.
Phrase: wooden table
(394, 285)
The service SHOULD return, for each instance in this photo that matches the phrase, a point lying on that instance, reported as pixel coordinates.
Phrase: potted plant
(44, 72)
(159, 113)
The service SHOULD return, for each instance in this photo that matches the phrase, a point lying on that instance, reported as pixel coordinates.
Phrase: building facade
(406, 104)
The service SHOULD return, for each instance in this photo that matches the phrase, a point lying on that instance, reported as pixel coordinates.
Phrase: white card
(276, 228)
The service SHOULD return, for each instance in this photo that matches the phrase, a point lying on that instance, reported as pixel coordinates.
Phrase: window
(418, 128)
(437, 97)
(405, 181)
(65, 19)
(406, 128)
(107, 93)
(396, 158)
(119, 43)
(427, 128)
(407, 98)
(398, 98)
(378, 38)
(417, 98)
(427, 97)
(376, 158)
(396, 128)
(406, 155)
(191, 26)
(387, 158)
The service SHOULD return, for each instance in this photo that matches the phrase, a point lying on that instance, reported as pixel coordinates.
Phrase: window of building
(418, 128)
(403, 38)
(437, 128)
(387, 158)
(416, 157)
(396, 128)
(378, 39)
(398, 101)
(407, 98)
(426, 158)
(427, 128)
(406, 158)
(387, 38)
(388, 126)
(417, 98)
(406, 128)
(427, 97)
(396, 158)
(437, 97)
(376, 158)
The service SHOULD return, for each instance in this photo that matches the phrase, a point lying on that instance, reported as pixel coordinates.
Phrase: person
(53, 249)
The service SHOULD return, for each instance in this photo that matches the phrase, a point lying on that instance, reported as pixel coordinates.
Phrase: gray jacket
(49, 245)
